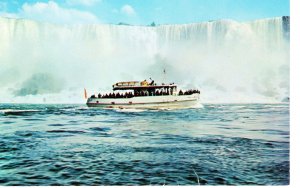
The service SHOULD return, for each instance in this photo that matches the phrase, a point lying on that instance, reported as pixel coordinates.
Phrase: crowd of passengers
(116, 95)
(143, 93)
(189, 92)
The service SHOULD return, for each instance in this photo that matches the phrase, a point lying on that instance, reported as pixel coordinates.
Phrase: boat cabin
(146, 89)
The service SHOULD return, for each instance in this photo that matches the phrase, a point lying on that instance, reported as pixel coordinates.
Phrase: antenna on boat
(164, 76)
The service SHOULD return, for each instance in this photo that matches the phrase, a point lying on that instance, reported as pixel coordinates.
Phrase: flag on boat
(85, 94)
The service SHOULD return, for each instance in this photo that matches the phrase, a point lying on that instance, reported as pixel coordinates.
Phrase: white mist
(228, 61)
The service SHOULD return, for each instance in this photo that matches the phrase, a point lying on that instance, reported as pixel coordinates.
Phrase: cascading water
(228, 61)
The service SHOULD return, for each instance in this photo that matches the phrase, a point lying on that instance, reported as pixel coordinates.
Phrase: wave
(18, 112)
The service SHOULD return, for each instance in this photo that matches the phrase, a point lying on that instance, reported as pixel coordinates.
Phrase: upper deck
(144, 85)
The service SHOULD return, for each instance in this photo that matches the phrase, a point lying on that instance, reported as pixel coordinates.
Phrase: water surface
(219, 144)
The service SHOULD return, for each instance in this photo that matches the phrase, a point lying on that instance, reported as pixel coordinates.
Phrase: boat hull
(146, 102)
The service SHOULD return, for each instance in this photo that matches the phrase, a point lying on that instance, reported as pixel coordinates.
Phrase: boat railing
(144, 94)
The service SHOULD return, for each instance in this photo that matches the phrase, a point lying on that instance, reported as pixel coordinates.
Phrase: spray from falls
(228, 61)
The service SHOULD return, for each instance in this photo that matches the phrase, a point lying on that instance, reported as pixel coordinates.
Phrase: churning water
(231, 144)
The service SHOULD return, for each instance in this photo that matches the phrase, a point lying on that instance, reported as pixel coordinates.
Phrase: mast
(164, 76)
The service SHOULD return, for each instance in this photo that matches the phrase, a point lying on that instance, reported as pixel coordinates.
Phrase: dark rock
(286, 26)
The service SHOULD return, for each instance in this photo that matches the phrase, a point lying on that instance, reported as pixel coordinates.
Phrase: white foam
(129, 110)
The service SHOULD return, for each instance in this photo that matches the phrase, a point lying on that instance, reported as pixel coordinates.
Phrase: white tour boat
(134, 94)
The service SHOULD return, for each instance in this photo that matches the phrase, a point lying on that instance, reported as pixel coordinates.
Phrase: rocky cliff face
(286, 26)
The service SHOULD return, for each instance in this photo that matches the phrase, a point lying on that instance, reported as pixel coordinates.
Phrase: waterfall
(228, 61)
